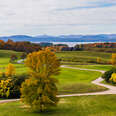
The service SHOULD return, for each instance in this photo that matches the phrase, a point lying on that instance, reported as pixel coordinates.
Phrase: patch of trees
(19, 46)
(100, 47)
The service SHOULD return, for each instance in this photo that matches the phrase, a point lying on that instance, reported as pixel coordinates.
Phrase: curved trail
(111, 89)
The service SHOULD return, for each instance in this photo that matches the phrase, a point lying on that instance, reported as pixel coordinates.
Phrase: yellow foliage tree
(113, 78)
(40, 91)
(113, 60)
(10, 70)
(5, 88)
(98, 60)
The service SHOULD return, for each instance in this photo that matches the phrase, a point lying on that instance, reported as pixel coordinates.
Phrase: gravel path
(111, 89)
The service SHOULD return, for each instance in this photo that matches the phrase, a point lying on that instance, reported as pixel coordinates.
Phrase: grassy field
(70, 80)
(71, 106)
(5, 58)
(83, 57)
(77, 81)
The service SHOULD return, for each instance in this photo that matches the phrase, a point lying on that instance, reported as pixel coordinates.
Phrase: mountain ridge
(63, 38)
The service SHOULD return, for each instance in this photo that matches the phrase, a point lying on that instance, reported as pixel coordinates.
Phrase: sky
(57, 17)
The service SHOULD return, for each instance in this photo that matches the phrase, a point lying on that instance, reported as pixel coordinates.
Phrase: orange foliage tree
(39, 91)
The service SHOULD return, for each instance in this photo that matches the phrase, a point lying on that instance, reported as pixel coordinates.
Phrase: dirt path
(111, 89)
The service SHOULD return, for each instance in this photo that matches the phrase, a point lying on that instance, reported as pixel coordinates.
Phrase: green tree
(40, 91)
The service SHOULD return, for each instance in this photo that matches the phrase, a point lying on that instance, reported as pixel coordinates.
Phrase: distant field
(72, 106)
(83, 57)
(5, 58)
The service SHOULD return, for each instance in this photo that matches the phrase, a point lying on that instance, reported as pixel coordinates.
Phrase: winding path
(111, 89)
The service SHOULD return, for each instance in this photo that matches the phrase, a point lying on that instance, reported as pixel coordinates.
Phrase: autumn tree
(39, 91)
(113, 60)
(10, 70)
(113, 78)
(98, 60)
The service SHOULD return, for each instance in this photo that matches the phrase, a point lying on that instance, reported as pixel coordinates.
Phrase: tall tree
(39, 91)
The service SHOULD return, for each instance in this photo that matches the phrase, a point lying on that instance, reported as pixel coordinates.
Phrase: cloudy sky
(56, 17)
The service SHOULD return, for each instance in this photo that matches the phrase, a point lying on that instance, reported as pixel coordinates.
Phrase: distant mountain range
(63, 38)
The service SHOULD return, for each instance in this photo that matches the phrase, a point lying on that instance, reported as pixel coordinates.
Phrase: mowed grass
(96, 67)
(71, 106)
(83, 57)
(78, 81)
(5, 58)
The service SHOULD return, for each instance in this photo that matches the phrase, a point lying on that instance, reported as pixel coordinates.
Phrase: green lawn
(78, 81)
(71, 106)
(83, 57)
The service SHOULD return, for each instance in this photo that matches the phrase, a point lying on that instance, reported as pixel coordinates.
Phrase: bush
(10, 87)
(107, 75)
(113, 78)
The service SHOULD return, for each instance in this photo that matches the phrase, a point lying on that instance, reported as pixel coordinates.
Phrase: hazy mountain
(63, 38)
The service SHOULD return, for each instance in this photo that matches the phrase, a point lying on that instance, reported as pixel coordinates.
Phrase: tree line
(22, 46)
(101, 47)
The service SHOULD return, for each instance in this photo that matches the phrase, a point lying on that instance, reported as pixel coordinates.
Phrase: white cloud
(43, 17)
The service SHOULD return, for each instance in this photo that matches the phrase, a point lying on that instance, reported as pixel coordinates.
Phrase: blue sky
(57, 17)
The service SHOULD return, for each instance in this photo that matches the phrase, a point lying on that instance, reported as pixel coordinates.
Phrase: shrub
(40, 91)
(107, 75)
(113, 78)
(10, 87)
(5, 88)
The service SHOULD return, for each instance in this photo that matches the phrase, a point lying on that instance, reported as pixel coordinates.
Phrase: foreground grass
(71, 106)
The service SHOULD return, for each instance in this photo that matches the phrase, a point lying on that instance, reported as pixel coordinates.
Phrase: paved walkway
(9, 100)
(111, 89)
